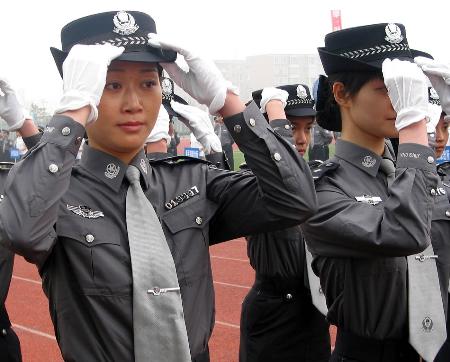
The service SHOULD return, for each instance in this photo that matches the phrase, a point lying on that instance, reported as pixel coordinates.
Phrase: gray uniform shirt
(360, 247)
(71, 222)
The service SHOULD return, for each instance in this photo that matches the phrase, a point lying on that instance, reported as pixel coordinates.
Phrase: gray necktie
(318, 298)
(158, 320)
(427, 331)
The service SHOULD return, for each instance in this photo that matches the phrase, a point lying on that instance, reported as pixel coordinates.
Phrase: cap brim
(301, 112)
(333, 63)
(154, 55)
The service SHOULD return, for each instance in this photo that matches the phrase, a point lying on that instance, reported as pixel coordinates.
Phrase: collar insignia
(112, 171)
(143, 165)
(369, 161)
(124, 23)
(366, 199)
(85, 211)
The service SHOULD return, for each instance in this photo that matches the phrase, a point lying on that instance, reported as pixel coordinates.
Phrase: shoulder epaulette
(175, 160)
(320, 169)
(443, 169)
(6, 166)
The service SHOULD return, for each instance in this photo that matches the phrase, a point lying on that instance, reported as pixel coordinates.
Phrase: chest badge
(85, 211)
(371, 200)
(112, 171)
(182, 198)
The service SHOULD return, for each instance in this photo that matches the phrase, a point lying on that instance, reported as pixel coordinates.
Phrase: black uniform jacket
(364, 230)
(70, 221)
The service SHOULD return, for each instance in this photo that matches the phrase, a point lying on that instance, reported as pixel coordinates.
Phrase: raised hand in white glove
(160, 130)
(200, 125)
(10, 109)
(271, 93)
(439, 76)
(408, 91)
(203, 81)
(84, 77)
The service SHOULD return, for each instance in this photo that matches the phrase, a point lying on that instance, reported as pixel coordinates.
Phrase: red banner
(336, 23)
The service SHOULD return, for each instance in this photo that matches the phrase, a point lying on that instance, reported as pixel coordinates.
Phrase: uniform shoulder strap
(176, 160)
(320, 169)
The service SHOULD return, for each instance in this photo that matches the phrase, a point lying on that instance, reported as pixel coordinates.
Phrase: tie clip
(159, 291)
(425, 257)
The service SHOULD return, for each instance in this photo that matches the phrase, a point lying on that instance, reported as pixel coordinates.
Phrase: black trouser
(202, 357)
(9, 342)
(228, 150)
(278, 327)
(352, 348)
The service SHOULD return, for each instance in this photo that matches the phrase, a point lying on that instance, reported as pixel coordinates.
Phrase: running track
(233, 277)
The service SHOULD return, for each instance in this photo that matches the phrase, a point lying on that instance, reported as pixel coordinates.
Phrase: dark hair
(328, 111)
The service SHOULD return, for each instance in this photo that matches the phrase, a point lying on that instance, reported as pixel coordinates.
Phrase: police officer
(74, 219)
(18, 120)
(278, 319)
(374, 217)
(319, 149)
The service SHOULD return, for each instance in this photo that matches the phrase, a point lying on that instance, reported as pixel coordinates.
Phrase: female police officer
(278, 319)
(371, 214)
(100, 247)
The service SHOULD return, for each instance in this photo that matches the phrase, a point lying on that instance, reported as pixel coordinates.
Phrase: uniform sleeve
(399, 226)
(277, 193)
(32, 141)
(34, 188)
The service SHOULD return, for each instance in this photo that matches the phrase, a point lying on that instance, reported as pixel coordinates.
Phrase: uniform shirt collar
(360, 157)
(110, 170)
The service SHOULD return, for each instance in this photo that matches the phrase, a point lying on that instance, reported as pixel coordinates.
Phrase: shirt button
(4, 332)
(287, 126)
(276, 156)
(430, 159)
(433, 192)
(288, 296)
(252, 122)
(237, 128)
(198, 220)
(65, 131)
(53, 168)
(90, 238)
(447, 213)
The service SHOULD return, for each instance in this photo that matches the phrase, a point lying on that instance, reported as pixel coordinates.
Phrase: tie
(158, 320)
(427, 331)
(318, 298)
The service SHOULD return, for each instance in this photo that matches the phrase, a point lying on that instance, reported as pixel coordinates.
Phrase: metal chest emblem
(112, 171)
(427, 324)
(143, 165)
(393, 34)
(369, 161)
(182, 198)
(85, 211)
(371, 200)
(124, 23)
(301, 92)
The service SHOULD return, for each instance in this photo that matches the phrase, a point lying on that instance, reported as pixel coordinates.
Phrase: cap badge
(167, 87)
(301, 92)
(112, 171)
(124, 23)
(143, 165)
(369, 161)
(393, 34)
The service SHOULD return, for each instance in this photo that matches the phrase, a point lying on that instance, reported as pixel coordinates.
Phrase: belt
(372, 350)
(280, 287)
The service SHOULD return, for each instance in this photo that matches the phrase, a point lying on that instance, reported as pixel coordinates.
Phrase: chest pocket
(187, 231)
(95, 252)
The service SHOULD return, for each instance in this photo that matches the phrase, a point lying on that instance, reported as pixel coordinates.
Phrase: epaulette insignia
(320, 169)
(443, 169)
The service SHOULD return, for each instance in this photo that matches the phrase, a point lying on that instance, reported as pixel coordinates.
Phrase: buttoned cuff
(412, 155)
(65, 132)
(247, 124)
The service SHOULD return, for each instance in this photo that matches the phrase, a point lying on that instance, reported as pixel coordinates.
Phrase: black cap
(299, 102)
(364, 48)
(120, 28)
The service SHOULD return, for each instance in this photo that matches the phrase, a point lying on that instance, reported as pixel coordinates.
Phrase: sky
(229, 29)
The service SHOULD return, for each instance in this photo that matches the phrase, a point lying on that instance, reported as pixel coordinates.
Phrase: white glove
(271, 93)
(84, 77)
(439, 76)
(10, 109)
(203, 81)
(160, 130)
(408, 90)
(200, 126)
(434, 113)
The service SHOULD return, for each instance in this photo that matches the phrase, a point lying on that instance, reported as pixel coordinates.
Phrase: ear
(340, 95)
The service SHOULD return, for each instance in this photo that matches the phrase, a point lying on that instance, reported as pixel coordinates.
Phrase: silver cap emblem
(301, 92)
(124, 23)
(433, 94)
(393, 34)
